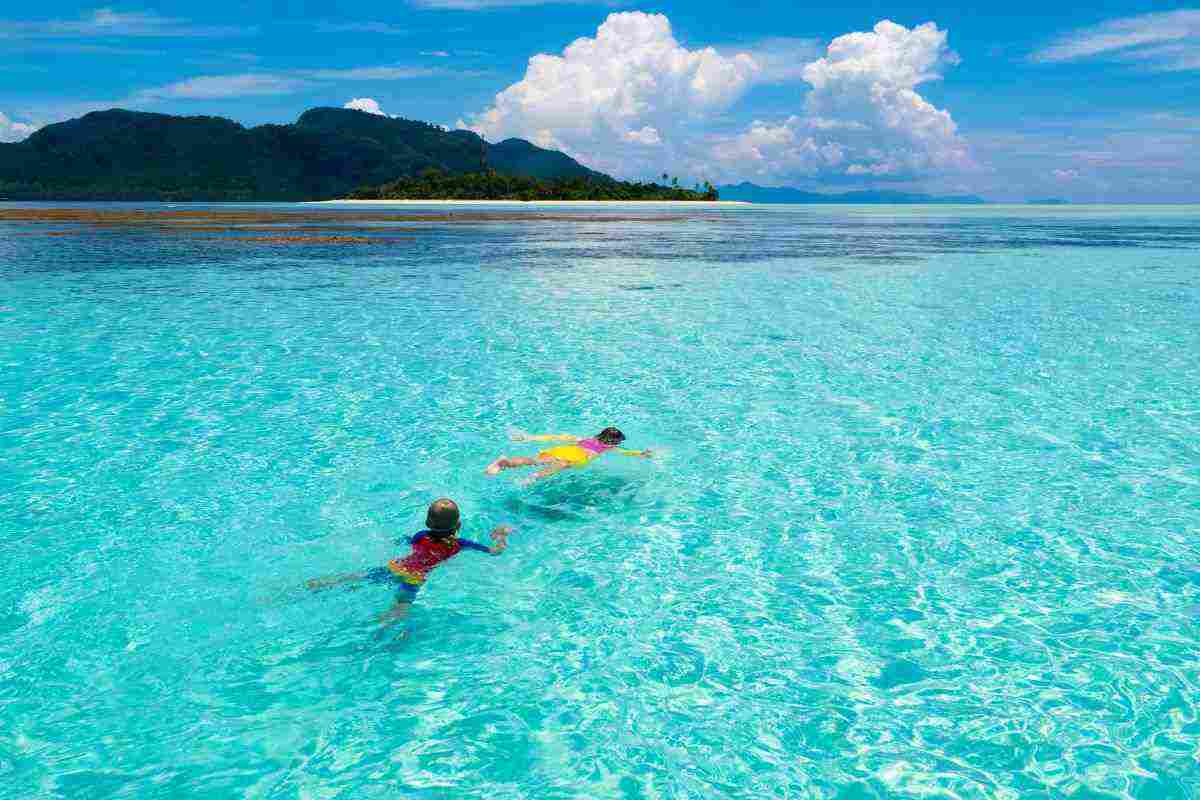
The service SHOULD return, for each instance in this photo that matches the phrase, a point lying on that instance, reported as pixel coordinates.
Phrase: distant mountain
(326, 153)
(753, 193)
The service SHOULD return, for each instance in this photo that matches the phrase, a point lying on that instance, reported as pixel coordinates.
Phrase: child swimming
(579, 453)
(439, 542)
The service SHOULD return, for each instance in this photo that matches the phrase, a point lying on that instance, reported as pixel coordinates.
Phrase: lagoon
(925, 516)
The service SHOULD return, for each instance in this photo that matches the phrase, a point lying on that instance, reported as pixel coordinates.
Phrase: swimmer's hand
(500, 539)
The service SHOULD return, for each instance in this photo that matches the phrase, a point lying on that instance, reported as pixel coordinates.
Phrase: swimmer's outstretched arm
(545, 437)
(635, 453)
(499, 541)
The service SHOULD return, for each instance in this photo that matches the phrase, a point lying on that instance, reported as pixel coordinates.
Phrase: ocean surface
(923, 518)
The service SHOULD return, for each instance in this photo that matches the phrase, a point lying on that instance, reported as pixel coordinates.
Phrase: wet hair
(442, 519)
(611, 436)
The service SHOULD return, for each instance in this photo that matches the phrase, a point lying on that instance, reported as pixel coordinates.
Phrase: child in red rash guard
(439, 542)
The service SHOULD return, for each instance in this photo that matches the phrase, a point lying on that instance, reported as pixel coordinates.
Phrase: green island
(433, 184)
(326, 154)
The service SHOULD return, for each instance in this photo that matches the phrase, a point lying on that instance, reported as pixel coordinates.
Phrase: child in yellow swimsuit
(579, 452)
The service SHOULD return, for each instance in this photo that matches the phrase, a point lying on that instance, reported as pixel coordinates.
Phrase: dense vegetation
(127, 155)
(438, 185)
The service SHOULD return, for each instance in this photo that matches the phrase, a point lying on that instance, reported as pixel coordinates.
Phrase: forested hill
(326, 153)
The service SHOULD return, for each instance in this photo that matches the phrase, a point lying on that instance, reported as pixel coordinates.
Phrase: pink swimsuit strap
(594, 445)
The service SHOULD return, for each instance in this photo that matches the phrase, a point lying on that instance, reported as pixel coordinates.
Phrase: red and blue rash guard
(427, 552)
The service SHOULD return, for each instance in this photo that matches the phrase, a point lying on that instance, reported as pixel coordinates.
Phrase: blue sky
(1093, 102)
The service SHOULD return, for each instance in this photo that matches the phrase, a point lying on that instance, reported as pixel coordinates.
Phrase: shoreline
(536, 203)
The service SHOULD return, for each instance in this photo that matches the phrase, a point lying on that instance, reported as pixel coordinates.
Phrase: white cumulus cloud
(633, 101)
(367, 104)
(863, 116)
(11, 131)
(630, 87)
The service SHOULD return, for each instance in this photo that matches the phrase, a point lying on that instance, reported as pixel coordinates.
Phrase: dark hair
(611, 436)
(442, 519)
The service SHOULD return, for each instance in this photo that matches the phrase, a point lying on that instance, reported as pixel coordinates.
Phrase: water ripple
(924, 518)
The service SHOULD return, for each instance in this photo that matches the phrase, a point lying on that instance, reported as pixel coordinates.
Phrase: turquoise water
(924, 521)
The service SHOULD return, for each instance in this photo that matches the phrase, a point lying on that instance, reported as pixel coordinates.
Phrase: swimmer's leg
(329, 581)
(399, 610)
(554, 466)
(504, 462)
(396, 613)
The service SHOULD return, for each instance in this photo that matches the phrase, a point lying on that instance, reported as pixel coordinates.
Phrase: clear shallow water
(926, 520)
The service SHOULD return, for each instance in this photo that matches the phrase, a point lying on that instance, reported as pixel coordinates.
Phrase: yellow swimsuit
(576, 455)
(573, 454)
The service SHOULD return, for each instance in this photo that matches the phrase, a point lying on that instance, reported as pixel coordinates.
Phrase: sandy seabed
(311, 226)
